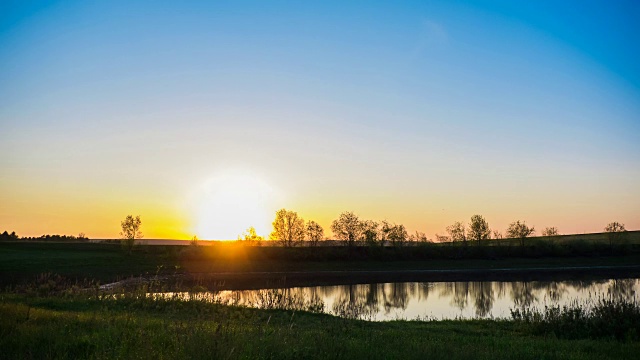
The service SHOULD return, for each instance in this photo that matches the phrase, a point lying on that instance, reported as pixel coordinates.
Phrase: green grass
(79, 327)
(22, 262)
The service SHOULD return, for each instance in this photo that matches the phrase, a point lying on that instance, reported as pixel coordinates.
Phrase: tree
(130, 231)
(442, 238)
(288, 227)
(396, 234)
(347, 227)
(615, 232)
(419, 237)
(315, 232)
(370, 231)
(457, 232)
(251, 236)
(479, 229)
(550, 232)
(519, 230)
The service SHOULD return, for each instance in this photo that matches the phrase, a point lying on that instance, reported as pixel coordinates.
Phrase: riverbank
(247, 266)
(73, 327)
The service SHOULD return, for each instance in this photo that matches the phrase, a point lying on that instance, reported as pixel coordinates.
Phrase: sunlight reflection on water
(429, 300)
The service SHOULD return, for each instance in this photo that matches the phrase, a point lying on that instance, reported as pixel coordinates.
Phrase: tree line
(6, 236)
(291, 229)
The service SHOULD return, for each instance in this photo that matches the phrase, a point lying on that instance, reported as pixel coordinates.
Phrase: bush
(606, 318)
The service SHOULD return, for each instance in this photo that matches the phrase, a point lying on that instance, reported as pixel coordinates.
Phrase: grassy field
(631, 237)
(46, 317)
(72, 327)
(22, 262)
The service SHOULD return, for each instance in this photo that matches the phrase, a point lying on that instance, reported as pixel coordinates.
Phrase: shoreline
(252, 280)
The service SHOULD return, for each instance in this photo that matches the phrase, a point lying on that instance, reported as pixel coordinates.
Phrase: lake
(432, 300)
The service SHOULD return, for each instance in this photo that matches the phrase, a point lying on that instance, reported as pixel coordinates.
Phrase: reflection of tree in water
(372, 299)
(423, 291)
(358, 301)
(458, 291)
(554, 290)
(499, 289)
(398, 297)
(522, 293)
(622, 289)
(483, 294)
(584, 285)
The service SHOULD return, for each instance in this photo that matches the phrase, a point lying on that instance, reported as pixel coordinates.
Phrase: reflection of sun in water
(231, 203)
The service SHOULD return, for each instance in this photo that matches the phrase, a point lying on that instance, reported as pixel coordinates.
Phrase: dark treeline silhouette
(360, 251)
(5, 236)
(349, 229)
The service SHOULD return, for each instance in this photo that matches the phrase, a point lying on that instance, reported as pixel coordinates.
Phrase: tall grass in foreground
(51, 322)
(606, 317)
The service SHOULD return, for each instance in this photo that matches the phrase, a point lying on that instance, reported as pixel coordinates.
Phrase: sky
(205, 117)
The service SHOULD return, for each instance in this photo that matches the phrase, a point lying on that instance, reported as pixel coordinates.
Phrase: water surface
(436, 300)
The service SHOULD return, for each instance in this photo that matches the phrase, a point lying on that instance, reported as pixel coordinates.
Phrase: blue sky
(420, 112)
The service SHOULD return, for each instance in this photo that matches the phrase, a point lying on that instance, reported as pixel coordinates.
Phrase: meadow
(22, 261)
(52, 307)
(135, 326)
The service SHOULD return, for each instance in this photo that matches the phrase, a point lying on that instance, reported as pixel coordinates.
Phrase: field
(50, 316)
(22, 262)
(68, 327)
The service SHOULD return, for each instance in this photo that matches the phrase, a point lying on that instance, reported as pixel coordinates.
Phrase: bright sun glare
(229, 204)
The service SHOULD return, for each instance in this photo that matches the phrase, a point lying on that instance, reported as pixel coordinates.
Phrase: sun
(230, 203)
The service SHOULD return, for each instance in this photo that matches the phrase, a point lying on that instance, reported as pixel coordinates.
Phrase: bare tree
(370, 231)
(479, 229)
(442, 238)
(347, 227)
(251, 236)
(615, 232)
(419, 237)
(520, 230)
(396, 234)
(315, 232)
(457, 232)
(130, 231)
(288, 227)
(550, 232)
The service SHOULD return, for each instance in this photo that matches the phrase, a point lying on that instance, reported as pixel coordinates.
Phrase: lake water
(436, 300)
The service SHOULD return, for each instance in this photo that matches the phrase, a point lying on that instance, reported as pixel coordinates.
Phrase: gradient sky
(418, 112)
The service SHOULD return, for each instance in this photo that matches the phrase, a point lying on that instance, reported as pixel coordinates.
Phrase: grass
(48, 318)
(22, 262)
(606, 317)
(137, 327)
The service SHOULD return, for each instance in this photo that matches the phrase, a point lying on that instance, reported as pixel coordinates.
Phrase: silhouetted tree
(370, 231)
(7, 237)
(479, 229)
(615, 232)
(130, 231)
(251, 236)
(347, 227)
(315, 232)
(550, 232)
(457, 232)
(396, 234)
(520, 230)
(442, 238)
(419, 236)
(288, 227)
